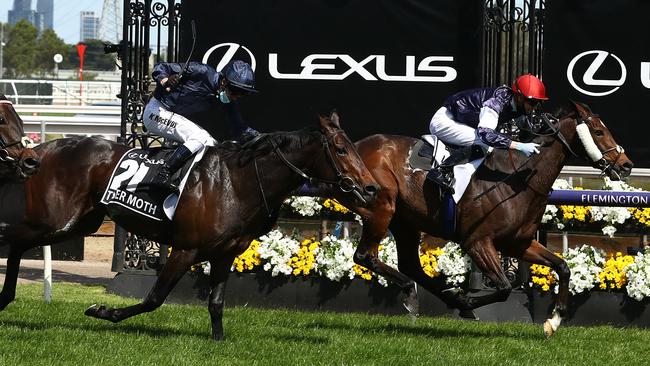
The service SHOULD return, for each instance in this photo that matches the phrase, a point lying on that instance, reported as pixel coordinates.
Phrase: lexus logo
(227, 52)
(588, 76)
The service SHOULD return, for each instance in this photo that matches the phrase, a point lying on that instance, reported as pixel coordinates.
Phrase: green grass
(35, 333)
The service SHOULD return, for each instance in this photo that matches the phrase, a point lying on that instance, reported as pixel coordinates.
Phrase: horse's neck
(549, 164)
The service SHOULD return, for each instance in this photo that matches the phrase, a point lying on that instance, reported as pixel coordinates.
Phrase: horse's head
(597, 144)
(16, 160)
(343, 164)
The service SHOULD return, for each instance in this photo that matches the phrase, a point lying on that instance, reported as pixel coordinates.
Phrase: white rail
(76, 120)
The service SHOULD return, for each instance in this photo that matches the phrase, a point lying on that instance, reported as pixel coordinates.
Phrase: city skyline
(66, 16)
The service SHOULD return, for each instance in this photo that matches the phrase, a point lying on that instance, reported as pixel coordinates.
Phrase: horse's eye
(599, 133)
(341, 151)
(2, 120)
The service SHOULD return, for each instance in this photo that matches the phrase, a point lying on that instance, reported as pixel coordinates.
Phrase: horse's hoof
(468, 314)
(548, 329)
(93, 310)
(412, 306)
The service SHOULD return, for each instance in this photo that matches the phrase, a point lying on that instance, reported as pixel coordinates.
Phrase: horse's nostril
(371, 189)
(628, 166)
(31, 163)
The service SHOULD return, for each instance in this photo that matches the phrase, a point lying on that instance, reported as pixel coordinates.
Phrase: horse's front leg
(8, 293)
(536, 253)
(219, 271)
(177, 264)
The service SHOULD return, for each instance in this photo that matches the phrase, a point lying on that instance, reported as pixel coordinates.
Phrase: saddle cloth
(129, 191)
(429, 152)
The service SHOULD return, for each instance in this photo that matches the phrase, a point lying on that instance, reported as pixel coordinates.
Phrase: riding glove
(528, 148)
(173, 80)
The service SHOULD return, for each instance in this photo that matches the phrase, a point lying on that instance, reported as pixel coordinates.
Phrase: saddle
(129, 190)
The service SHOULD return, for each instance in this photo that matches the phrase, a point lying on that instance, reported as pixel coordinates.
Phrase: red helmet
(530, 87)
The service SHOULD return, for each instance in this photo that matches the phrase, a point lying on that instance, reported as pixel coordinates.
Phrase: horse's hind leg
(408, 254)
(219, 271)
(536, 253)
(177, 264)
(487, 259)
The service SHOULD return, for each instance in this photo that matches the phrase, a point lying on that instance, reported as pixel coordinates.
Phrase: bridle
(344, 182)
(4, 154)
(597, 157)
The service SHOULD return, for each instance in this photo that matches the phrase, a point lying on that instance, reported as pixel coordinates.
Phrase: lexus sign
(583, 70)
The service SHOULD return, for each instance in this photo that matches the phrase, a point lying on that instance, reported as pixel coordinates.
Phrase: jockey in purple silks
(183, 94)
(468, 119)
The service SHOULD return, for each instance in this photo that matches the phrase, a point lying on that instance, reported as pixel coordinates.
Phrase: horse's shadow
(154, 332)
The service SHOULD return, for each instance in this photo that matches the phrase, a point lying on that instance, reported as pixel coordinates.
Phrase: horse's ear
(581, 108)
(334, 117)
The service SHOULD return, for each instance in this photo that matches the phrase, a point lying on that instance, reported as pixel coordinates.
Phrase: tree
(49, 44)
(20, 51)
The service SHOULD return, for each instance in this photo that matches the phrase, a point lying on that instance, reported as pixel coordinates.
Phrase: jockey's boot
(444, 177)
(176, 160)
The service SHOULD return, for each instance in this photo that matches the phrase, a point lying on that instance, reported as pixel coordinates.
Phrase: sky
(66, 15)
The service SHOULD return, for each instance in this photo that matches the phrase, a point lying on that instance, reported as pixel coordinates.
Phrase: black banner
(386, 65)
(598, 52)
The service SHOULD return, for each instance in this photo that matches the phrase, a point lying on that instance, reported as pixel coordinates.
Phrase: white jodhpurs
(444, 127)
(160, 121)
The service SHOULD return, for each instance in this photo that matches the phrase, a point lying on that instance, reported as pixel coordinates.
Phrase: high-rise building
(46, 9)
(23, 10)
(89, 26)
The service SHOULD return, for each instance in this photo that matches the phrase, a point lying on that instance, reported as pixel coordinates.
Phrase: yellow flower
(335, 206)
(542, 277)
(303, 261)
(613, 274)
(429, 259)
(249, 258)
(362, 272)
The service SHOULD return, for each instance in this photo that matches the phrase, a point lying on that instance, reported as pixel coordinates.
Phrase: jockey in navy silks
(469, 119)
(185, 93)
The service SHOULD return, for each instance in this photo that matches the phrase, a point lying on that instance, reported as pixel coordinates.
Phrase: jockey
(469, 119)
(185, 93)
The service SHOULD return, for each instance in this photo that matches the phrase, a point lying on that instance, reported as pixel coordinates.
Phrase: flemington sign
(599, 198)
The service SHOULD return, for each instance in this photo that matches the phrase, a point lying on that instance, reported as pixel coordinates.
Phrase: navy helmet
(240, 75)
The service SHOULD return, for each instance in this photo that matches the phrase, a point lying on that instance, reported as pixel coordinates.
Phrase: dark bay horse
(500, 211)
(17, 162)
(232, 196)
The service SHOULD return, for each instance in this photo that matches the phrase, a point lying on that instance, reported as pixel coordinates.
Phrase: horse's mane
(287, 141)
(3, 97)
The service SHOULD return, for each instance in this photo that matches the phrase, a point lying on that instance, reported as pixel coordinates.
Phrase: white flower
(304, 206)
(334, 258)
(454, 264)
(585, 263)
(276, 250)
(609, 230)
(562, 184)
(638, 277)
(388, 255)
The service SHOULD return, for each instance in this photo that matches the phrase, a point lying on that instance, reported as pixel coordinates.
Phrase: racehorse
(232, 196)
(501, 209)
(17, 162)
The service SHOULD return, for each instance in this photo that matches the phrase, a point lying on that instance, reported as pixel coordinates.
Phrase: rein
(344, 182)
